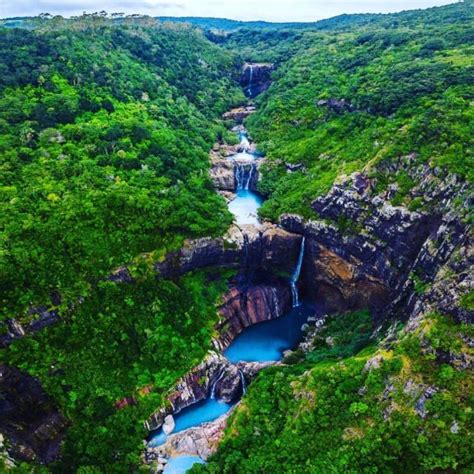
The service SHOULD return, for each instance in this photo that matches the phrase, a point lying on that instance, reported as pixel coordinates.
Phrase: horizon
(301, 11)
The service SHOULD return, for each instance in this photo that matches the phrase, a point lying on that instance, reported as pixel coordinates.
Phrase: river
(263, 342)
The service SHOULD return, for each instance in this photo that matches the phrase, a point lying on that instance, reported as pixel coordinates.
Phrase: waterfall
(239, 176)
(244, 141)
(295, 277)
(246, 250)
(249, 90)
(242, 380)
(214, 385)
(244, 175)
(249, 179)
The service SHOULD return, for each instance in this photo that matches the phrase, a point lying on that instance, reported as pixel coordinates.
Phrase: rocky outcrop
(246, 305)
(28, 417)
(214, 377)
(222, 173)
(230, 167)
(266, 248)
(256, 78)
(239, 114)
(338, 106)
(368, 252)
(201, 441)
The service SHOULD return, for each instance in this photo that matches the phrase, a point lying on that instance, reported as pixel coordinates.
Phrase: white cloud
(271, 10)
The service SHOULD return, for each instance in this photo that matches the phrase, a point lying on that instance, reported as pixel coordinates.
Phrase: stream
(245, 205)
(262, 342)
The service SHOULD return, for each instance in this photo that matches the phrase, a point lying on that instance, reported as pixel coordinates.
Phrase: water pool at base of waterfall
(245, 207)
(268, 340)
(194, 415)
(181, 464)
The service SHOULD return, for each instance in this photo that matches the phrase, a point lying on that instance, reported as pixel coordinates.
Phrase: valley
(237, 248)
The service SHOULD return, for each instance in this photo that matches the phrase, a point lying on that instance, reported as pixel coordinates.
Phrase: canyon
(371, 262)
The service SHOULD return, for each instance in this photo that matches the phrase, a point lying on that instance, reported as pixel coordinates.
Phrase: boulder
(168, 425)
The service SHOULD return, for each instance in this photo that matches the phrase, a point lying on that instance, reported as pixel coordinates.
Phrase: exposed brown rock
(245, 306)
(239, 114)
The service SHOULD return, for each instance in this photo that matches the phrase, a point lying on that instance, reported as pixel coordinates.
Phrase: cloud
(271, 10)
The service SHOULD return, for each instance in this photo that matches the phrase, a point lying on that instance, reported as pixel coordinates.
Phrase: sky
(269, 10)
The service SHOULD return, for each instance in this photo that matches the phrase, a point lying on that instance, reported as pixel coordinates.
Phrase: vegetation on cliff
(105, 134)
(105, 130)
(396, 407)
(347, 99)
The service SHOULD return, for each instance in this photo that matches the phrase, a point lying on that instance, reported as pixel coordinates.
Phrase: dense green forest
(332, 411)
(105, 132)
(351, 98)
(105, 135)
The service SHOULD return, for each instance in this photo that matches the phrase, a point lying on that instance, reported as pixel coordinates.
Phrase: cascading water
(244, 174)
(239, 176)
(249, 90)
(295, 277)
(242, 381)
(250, 175)
(276, 303)
(214, 385)
(244, 141)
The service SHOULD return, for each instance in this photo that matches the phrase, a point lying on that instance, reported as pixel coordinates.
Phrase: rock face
(29, 418)
(222, 173)
(229, 166)
(246, 305)
(214, 377)
(256, 78)
(267, 248)
(239, 114)
(369, 257)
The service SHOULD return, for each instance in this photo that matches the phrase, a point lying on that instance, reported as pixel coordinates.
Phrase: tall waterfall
(295, 277)
(242, 381)
(249, 90)
(244, 174)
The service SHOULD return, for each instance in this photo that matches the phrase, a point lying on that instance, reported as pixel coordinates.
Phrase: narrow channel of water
(263, 342)
(201, 412)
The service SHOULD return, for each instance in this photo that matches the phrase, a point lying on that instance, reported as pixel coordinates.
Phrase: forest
(105, 133)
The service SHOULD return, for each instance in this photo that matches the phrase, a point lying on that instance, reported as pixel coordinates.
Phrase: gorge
(247, 349)
(241, 248)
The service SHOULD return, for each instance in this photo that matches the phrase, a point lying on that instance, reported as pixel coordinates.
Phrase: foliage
(118, 341)
(104, 146)
(105, 135)
(348, 98)
(326, 415)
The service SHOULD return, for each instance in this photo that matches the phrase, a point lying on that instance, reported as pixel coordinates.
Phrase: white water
(295, 277)
(246, 203)
(245, 207)
(242, 380)
(244, 141)
(214, 385)
(249, 90)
